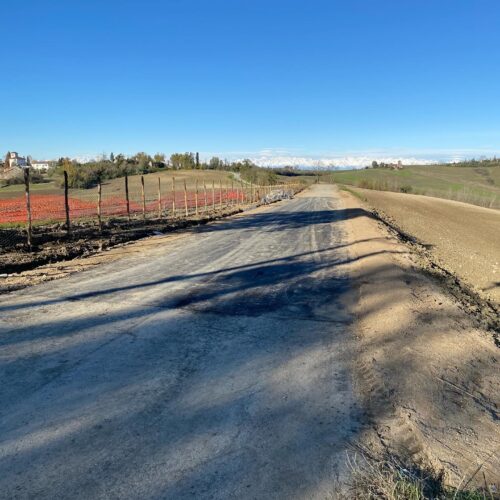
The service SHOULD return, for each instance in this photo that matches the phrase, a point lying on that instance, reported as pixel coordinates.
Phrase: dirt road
(240, 361)
(216, 365)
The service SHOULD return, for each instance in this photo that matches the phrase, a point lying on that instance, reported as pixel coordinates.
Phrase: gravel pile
(277, 195)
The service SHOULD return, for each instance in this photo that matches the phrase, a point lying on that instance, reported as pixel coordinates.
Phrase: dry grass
(478, 186)
(389, 479)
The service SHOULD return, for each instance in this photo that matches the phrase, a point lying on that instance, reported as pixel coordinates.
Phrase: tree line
(482, 162)
(89, 174)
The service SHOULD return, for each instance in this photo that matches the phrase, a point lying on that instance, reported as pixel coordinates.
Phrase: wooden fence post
(127, 199)
(99, 202)
(213, 196)
(173, 196)
(232, 191)
(196, 199)
(159, 197)
(220, 195)
(205, 195)
(66, 201)
(252, 196)
(28, 205)
(143, 194)
(185, 199)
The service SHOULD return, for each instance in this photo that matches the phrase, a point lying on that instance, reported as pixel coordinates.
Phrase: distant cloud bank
(280, 157)
(335, 162)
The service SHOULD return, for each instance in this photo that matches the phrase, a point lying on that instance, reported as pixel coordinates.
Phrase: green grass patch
(352, 191)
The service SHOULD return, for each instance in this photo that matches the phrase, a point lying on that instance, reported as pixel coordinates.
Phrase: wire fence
(153, 199)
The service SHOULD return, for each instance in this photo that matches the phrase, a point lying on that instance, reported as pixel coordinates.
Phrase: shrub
(365, 183)
(35, 178)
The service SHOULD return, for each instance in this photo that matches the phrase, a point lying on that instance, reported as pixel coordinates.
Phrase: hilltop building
(13, 160)
(13, 165)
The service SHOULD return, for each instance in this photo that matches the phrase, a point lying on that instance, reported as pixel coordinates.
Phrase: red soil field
(51, 207)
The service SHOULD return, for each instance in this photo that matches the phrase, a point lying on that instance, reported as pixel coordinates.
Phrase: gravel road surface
(214, 366)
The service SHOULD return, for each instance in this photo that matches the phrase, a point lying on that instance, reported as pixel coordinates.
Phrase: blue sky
(265, 79)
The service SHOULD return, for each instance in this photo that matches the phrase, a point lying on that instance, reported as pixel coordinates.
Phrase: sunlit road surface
(214, 367)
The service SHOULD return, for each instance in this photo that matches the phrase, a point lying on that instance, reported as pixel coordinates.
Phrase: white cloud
(281, 157)
(335, 161)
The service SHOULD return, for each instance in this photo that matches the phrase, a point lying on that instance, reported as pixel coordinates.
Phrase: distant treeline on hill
(87, 175)
(484, 162)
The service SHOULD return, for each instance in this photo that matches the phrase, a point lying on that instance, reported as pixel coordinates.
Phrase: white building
(40, 165)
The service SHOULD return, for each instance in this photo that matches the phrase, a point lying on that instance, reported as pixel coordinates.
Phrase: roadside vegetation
(18, 180)
(476, 182)
(372, 479)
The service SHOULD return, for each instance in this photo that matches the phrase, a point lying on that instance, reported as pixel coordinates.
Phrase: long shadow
(182, 277)
(143, 425)
(493, 286)
(147, 432)
(283, 220)
(262, 274)
(141, 402)
(145, 387)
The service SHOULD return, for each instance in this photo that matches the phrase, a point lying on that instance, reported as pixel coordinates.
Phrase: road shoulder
(428, 375)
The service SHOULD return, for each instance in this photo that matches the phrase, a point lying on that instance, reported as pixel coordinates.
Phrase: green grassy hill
(476, 185)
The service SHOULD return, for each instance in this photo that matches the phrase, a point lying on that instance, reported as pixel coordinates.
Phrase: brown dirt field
(464, 239)
(428, 375)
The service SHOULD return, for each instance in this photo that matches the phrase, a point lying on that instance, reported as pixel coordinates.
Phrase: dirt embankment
(427, 373)
(465, 239)
(455, 242)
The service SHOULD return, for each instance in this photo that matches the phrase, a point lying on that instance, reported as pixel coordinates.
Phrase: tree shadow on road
(228, 386)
